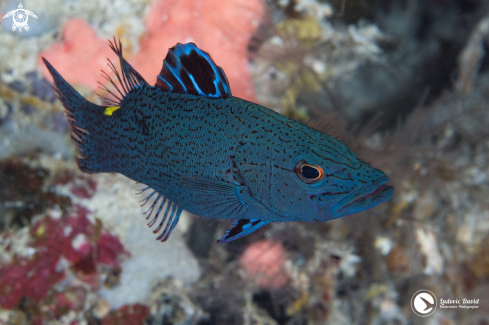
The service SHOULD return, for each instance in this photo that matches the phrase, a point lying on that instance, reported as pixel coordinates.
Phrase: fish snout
(364, 198)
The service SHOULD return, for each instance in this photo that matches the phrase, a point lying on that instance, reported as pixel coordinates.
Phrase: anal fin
(240, 228)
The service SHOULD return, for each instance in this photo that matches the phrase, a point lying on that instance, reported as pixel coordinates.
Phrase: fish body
(200, 149)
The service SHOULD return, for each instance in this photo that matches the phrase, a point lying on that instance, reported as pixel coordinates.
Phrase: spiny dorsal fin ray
(241, 227)
(189, 70)
(126, 82)
(157, 204)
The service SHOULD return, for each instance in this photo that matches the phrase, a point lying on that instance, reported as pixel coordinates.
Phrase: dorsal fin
(129, 80)
(189, 70)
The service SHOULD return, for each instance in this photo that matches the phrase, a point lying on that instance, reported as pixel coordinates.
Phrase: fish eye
(307, 173)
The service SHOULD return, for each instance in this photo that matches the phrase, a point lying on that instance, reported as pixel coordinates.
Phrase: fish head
(315, 178)
(346, 188)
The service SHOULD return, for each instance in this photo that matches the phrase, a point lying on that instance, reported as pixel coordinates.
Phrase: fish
(196, 147)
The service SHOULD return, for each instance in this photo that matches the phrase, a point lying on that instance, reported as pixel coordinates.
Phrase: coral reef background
(405, 83)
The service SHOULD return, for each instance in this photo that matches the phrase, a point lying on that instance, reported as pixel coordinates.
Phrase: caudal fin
(85, 119)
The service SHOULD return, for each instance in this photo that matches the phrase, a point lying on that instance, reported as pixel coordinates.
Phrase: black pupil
(310, 172)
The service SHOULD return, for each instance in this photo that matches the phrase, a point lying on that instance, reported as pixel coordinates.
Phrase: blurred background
(405, 83)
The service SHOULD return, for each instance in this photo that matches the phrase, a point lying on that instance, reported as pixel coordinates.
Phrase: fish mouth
(364, 198)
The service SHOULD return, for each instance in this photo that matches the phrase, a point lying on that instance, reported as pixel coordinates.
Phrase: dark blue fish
(199, 148)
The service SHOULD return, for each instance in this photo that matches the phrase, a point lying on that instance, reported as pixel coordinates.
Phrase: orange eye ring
(309, 174)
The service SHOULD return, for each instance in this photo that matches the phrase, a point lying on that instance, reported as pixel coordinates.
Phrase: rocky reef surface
(404, 83)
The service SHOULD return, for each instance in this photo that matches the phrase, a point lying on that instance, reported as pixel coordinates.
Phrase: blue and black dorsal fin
(129, 80)
(189, 70)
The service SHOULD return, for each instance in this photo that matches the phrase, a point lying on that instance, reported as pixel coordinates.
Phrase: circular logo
(20, 18)
(423, 303)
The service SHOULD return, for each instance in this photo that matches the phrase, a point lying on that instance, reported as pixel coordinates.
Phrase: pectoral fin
(222, 200)
(240, 228)
(225, 200)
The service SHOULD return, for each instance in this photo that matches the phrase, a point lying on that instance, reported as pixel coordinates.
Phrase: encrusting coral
(73, 239)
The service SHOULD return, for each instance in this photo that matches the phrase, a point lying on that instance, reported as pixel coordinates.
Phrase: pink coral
(81, 55)
(221, 28)
(263, 260)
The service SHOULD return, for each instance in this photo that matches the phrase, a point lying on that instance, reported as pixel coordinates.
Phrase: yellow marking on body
(109, 110)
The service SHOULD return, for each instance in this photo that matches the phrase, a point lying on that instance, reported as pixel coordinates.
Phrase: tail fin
(85, 119)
